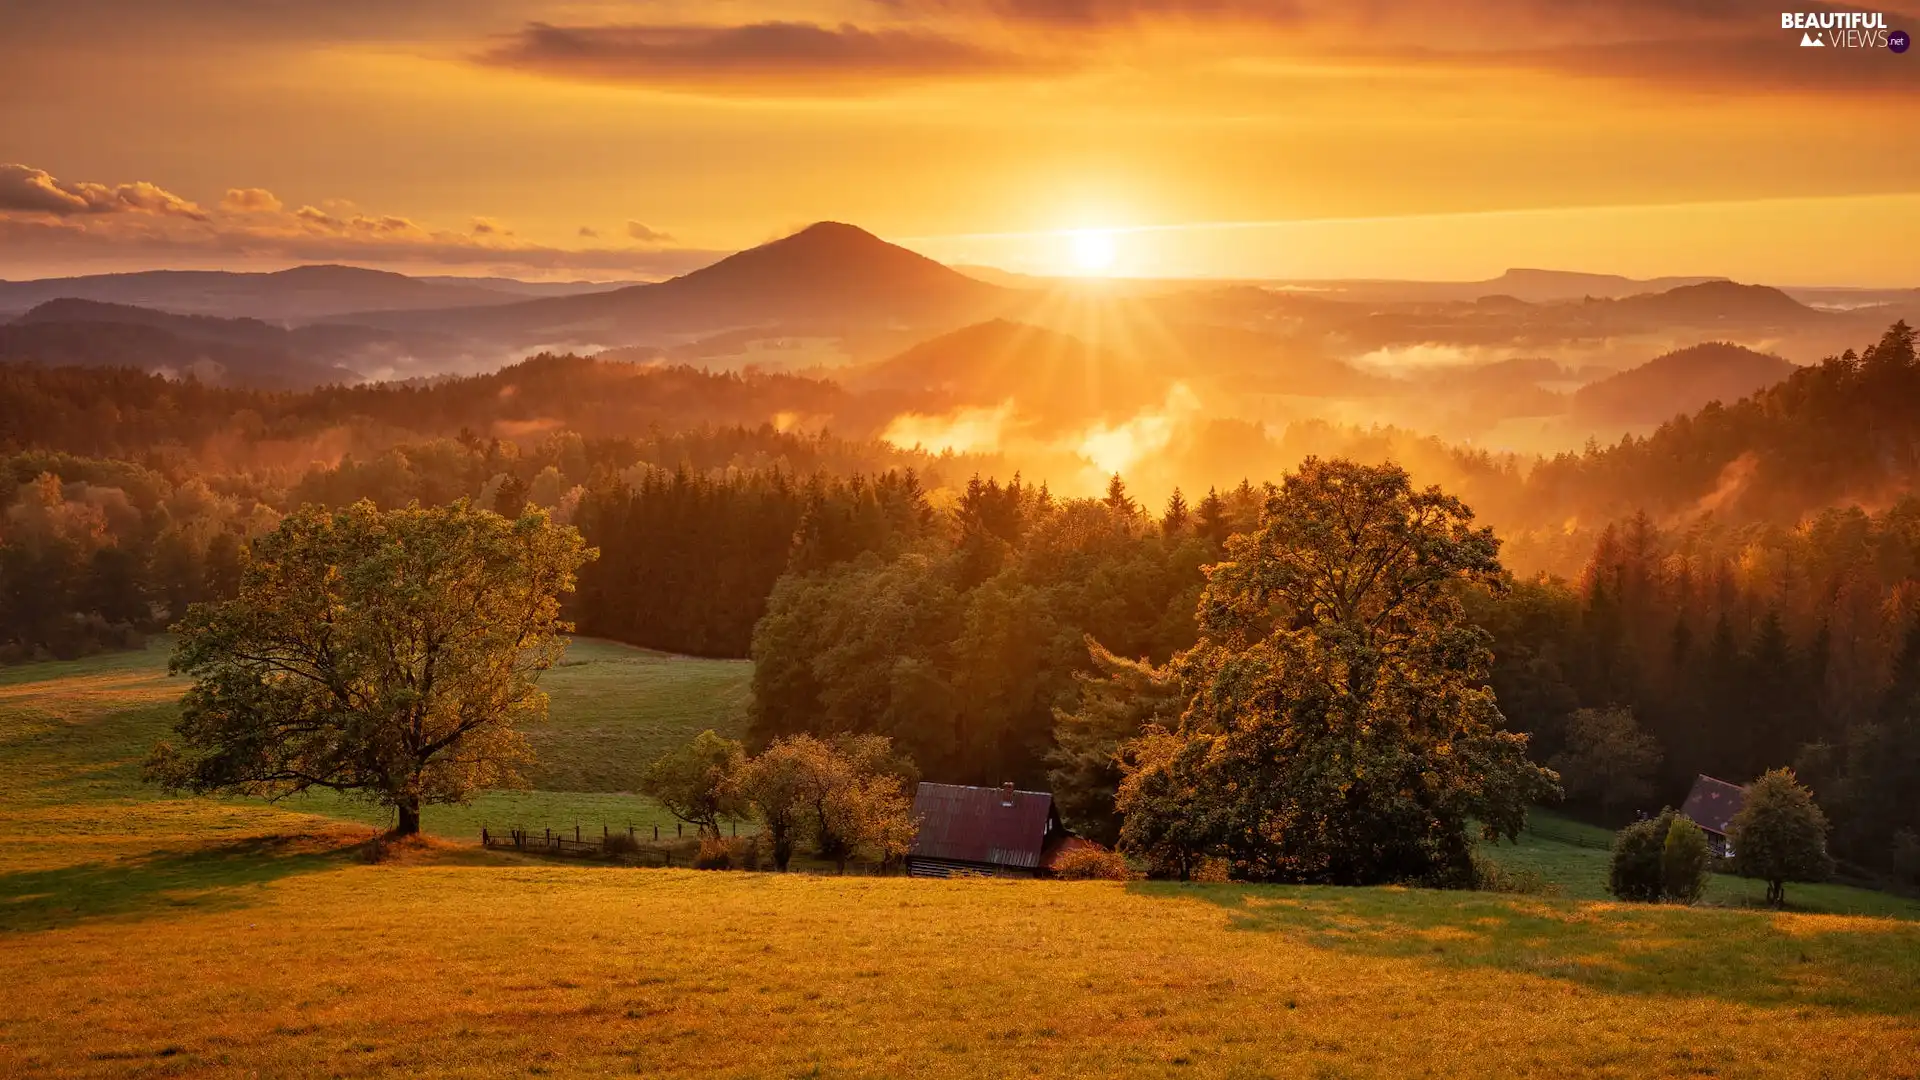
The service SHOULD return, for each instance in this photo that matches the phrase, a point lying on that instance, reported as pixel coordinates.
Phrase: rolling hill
(1678, 382)
(224, 352)
(296, 295)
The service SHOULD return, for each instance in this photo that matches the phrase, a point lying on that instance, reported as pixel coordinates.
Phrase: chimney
(1006, 793)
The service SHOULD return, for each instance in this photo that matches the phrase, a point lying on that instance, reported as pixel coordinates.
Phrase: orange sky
(1284, 138)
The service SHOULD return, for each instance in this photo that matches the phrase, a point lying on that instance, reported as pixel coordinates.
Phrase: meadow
(153, 936)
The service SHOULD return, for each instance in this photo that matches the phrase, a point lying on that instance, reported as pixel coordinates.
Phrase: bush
(716, 853)
(1092, 864)
(1637, 850)
(1663, 858)
(1685, 861)
(620, 844)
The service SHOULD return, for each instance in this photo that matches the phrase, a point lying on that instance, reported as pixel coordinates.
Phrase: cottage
(983, 831)
(1711, 805)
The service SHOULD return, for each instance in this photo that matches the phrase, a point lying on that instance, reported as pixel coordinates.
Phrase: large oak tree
(390, 655)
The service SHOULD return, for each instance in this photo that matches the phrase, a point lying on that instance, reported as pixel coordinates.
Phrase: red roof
(1712, 803)
(986, 825)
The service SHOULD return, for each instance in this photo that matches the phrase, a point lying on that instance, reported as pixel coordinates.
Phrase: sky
(1210, 138)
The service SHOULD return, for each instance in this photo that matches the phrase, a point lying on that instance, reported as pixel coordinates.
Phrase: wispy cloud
(44, 216)
(795, 56)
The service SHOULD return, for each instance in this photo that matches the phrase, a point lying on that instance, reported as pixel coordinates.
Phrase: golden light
(1093, 250)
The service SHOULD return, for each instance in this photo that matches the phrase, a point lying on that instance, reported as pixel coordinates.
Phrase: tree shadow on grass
(1859, 965)
(217, 878)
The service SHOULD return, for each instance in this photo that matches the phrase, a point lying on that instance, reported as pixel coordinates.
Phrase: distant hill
(1846, 430)
(826, 275)
(1678, 382)
(1712, 302)
(516, 287)
(227, 352)
(296, 295)
(1530, 286)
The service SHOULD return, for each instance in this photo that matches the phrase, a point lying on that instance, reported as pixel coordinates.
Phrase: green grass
(74, 734)
(1580, 871)
(148, 936)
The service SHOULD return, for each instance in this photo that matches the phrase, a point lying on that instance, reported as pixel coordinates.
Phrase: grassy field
(76, 733)
(147, 936)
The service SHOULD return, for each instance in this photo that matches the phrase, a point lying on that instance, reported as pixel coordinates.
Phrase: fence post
(656, 833)
(576, 832)
(629, 832)
(603, 834)
(484, 840)
(679, 828)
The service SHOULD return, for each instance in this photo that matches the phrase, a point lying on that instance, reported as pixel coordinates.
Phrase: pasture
(150, 936)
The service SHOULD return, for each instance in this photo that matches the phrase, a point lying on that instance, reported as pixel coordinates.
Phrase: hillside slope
(826, 275)
(1679, 382)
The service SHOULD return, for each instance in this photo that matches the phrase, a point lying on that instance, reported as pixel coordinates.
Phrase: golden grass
(501, 968)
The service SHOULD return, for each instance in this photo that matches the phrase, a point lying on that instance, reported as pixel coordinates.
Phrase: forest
(1744, 593)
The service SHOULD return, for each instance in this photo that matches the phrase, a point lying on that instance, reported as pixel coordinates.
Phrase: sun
(1093, 250)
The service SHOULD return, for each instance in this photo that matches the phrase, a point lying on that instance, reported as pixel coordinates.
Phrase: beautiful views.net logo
(1844, 30)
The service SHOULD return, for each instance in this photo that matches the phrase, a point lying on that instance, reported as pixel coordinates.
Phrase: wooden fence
(642, 844)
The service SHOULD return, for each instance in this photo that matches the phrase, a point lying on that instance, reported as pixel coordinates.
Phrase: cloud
(1714, 46)
(43, 217)
(788, 55)
(29, 190)
(646, 234)
(588, 232)
(251, 200)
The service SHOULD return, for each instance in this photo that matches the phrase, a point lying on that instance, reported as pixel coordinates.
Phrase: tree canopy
(1779, 835)
(394, 655)
(1339, 720)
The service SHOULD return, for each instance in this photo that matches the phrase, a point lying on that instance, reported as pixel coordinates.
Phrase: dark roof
(1712, 803)
(975, 824)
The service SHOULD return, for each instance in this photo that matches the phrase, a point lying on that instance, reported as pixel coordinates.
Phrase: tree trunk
(409, 822)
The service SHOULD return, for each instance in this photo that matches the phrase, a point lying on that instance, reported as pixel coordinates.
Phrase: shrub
(620, 844)
(1685, 861)
(1092, 864)
(1664, 858)
(1636, 873)
(716, 853)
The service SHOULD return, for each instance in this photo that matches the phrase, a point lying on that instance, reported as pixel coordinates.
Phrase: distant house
(1711, 805)
(984, 831)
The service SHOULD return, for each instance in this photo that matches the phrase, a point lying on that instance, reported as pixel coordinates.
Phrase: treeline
(111, 412)
(1732, 651)
(960, 642)
(95, 552)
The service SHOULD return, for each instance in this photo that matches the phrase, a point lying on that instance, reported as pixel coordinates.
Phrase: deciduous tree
(1779, 835)
(696, 783)
(394, 656)
(1344, 729)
